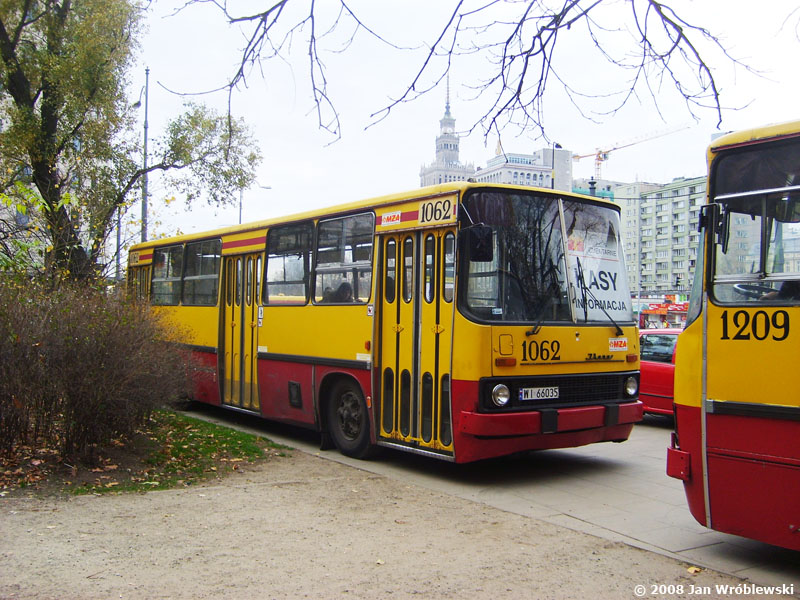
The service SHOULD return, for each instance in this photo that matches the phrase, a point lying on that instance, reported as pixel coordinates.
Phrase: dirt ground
(307, 527)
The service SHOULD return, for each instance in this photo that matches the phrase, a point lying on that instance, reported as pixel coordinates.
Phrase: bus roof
(764, 133)
(419, 193)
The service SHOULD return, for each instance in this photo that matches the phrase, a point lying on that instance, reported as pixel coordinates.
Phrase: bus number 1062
(541, 351)
(434, 212)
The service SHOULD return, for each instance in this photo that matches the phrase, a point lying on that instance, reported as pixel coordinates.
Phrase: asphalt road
(618, 492)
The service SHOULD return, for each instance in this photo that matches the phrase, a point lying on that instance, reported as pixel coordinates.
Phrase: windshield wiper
(586, 291)
(555, 289)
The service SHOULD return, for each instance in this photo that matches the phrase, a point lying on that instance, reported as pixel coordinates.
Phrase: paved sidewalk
(309, 527)
(618, 492)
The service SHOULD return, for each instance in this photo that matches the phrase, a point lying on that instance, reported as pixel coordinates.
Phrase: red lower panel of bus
(687, 424)
(287, 393)
(753, 475)
(480, 435)
(205, 387)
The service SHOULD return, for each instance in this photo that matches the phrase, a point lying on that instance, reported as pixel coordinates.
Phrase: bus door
(239, 338)
(416, 338)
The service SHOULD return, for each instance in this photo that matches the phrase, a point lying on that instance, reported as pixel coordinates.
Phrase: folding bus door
(239, 337)
(416, 315)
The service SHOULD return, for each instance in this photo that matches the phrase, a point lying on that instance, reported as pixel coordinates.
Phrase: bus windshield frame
(756, 225)
(555, 260)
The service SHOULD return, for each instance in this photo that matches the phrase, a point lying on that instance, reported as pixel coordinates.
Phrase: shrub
(79, 368)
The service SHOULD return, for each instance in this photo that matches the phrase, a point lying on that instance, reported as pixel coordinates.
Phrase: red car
(657, 352)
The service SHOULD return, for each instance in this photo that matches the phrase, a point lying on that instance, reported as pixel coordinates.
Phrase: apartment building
(659, 227)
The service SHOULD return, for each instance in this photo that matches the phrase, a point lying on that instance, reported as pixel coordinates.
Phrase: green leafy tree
(70, 157)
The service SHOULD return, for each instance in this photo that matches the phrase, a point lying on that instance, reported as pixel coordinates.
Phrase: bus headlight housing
(631, 386)
(501, 395)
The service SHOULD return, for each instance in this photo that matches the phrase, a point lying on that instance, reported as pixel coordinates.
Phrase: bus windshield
(757, 256)
(553, 260)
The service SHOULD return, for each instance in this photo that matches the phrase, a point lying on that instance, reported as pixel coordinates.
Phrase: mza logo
(618, 344)
(391, 218)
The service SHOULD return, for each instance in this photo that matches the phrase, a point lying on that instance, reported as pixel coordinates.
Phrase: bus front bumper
(549, 420)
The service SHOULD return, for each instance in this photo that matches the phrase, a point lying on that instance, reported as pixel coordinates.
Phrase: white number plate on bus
(539, 393)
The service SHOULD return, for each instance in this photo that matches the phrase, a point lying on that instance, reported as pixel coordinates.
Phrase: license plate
(539, 393)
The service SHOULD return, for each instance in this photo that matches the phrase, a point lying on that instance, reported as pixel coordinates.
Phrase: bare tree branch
(523, 41)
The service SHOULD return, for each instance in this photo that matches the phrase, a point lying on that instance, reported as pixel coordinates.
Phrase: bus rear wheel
(348, 420)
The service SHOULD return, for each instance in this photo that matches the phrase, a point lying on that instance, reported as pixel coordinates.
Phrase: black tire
(348, 420)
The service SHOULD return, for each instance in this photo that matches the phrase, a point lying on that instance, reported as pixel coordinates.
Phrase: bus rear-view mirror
(480, 243)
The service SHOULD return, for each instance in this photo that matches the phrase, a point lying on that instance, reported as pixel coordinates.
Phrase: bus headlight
(631, 386)
(500, 395)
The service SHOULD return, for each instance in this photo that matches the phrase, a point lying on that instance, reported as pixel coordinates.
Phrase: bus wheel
(348, 420)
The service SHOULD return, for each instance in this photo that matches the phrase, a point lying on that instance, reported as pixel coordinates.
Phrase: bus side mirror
(714, 219)
(787, 210)
(479, 242)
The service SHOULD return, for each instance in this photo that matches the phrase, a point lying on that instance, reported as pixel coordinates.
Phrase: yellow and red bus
(736, 444)
(460, 321)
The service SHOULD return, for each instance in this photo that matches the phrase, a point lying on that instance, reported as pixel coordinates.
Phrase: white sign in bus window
(597, 269)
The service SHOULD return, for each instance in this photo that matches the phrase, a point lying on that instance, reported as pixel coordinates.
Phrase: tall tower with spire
(446, 167)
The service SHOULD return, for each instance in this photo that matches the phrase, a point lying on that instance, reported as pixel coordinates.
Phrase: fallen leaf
(694, 570)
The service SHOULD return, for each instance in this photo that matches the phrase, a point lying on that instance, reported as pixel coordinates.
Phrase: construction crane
(601, 155)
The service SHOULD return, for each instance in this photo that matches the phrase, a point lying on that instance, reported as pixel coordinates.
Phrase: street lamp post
(241, 198)
(144, 176)
(119, 245)
(136, 104)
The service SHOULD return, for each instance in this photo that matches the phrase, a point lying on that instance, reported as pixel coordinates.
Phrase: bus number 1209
(760, 325)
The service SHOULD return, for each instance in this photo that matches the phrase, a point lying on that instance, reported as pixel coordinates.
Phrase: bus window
(390, 286)
(258, 278)
(239, 282)
(448, 282)
(754, 259)
(288, 264)
(201, 279)
(388, 400)
(229, 283)
(524, 277)
(430, 268)
(445, 434)
(343, 271)
(167, 268)
(408, 268)
(249, 279)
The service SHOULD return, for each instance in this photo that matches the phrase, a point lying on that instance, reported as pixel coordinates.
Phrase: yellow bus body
(414, 365)
(737, 405)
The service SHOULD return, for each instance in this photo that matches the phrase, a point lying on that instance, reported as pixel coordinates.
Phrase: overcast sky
(305, 167)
